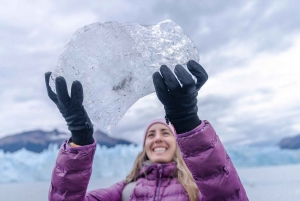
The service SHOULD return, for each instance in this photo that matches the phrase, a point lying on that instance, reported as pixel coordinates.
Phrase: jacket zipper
(159, 184)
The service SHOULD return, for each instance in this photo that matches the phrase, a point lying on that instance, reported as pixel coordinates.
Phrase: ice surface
(115, 62)
(24, 165)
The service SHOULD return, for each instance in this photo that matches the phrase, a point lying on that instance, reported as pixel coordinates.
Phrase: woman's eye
(166, 133)
(150, 135)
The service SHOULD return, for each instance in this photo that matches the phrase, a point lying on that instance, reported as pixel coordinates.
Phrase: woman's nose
(158, 137)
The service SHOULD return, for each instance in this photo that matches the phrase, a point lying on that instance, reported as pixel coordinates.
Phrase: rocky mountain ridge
(290, 142)
(38, 140)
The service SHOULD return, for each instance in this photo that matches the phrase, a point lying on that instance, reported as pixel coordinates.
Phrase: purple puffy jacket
(202, 151)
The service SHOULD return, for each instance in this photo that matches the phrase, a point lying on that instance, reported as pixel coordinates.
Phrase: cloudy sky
(250, 50)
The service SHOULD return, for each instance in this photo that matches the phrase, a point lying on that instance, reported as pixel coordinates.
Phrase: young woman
(184, 160)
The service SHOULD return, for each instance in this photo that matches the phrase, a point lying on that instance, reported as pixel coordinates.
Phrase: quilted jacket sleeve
(71, 175)
(210, 165)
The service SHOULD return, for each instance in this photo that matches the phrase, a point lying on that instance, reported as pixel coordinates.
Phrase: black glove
(72, 109)
(180, 102)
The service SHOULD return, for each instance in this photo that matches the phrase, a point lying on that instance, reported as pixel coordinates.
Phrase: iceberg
(115, 62)
(23, 165)
(250, 156)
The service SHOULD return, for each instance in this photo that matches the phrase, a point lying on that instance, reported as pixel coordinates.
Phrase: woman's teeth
(160, 149)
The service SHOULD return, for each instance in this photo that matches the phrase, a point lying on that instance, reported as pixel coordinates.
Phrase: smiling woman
(160, 147)
(182, 161)
(160, 143)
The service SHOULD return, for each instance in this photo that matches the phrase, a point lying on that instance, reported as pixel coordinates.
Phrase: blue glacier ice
(248, 156)
(24, 165)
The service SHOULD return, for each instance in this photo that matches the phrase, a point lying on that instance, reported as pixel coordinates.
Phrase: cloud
(256, 103)
(263, 96)
(248, 48)
(218, 26)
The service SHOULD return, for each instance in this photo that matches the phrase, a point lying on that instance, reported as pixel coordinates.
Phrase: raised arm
(73, 168)
(202, 149)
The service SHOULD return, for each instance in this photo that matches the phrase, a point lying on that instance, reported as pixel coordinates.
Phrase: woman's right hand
(72, 109)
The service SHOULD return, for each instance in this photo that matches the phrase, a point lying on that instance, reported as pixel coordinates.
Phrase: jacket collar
(155, 170)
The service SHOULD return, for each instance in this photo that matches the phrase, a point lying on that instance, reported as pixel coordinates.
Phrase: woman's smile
(160, 149)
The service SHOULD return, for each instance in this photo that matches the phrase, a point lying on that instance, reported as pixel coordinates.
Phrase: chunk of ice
(115, 62)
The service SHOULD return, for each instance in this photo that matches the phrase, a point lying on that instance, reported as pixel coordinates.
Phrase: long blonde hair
(184, 175)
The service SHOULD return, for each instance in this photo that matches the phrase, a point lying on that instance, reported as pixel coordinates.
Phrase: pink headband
(161, 121)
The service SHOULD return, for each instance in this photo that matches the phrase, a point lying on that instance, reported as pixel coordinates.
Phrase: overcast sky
(250, 50)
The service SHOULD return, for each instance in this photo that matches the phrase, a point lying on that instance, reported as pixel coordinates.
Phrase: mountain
(39, 140)
(290, 142)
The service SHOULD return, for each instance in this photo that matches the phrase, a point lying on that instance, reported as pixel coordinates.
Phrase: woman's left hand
(180, 102)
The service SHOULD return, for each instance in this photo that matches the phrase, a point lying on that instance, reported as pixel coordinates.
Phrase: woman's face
(160, 143)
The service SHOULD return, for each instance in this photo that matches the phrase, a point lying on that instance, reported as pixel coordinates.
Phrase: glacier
(117, 162)
(115, 62)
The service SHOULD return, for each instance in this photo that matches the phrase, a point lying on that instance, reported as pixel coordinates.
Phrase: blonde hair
(183, 174)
